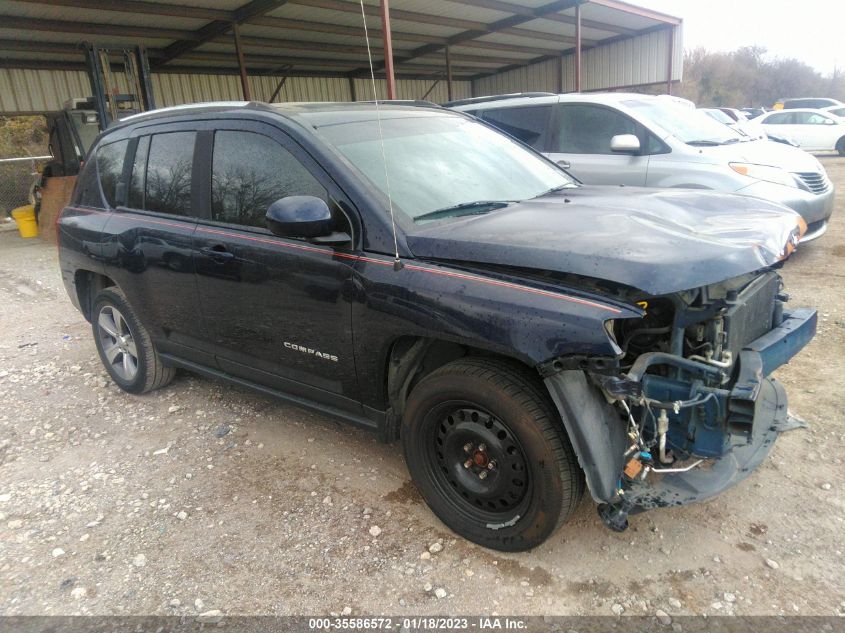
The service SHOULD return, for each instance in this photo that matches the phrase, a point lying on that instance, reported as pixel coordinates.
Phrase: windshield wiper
(566, 185)
(704, 143)
(465, 208)
(712, 143)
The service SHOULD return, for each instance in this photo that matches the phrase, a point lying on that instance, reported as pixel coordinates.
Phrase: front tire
(840, 146)
(488, 452)
(124, 345)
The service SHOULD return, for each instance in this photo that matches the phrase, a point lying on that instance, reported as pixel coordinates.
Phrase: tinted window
(139, 168)
(781, 118)
(251, 171)
(587, 129)
(839, 112)
(168, 183)
(810, 118)
(87, 187)
(808, 103)
(110, 166)
(529, 125)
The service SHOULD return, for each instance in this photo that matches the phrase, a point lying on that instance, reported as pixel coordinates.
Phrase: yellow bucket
(25, 217)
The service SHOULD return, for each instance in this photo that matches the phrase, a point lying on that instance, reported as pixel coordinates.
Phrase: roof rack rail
(513, 95)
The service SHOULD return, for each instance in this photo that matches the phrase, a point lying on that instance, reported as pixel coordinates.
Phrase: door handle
(564, 163)
(218, 253)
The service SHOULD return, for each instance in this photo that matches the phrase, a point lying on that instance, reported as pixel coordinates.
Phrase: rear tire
(125, 346)
(477, 415)
(840, 146)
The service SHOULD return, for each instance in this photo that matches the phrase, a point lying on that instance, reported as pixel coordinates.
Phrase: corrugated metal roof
(191, 39)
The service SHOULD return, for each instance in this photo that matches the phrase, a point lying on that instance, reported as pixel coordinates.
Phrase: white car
(814, 130)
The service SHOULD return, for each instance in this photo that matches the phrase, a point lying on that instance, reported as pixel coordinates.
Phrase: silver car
(653, 141)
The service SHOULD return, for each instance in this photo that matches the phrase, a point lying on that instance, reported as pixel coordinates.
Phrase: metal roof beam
(62, 26)
(500, 25)
(141, 6)
(397, 14)
(642, 12)
(211, 30)
(515, 9)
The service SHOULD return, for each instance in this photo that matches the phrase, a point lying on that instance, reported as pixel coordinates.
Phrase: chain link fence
(17, 176)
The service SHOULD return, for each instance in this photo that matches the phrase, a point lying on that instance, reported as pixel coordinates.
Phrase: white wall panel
(634, 61)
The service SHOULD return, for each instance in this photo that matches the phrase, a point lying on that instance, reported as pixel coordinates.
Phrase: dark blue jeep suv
(412, 271)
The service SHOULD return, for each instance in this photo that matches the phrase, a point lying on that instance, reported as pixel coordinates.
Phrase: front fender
(528, 320)
(596, 431)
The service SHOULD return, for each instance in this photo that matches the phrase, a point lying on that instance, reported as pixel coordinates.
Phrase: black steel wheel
(489, 454)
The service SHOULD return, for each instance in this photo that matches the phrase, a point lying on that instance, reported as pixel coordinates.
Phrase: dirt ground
(202, 496)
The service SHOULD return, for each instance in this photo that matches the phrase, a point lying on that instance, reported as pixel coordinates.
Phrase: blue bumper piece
(757, 414)
(777, 346)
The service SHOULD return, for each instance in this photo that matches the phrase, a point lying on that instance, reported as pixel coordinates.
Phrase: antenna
(397, 263)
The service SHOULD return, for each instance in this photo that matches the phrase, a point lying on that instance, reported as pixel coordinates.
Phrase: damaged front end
(688, 409)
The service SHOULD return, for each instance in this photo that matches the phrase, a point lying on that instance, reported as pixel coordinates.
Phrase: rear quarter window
(110, 159)
(88, 187)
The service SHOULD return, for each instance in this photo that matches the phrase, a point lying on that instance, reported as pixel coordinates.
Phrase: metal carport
(202, 50)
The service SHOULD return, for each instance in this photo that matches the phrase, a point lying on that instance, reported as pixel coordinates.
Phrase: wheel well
(412, 358)
(88, 285)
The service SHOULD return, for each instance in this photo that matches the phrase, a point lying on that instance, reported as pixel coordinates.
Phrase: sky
(812, 31)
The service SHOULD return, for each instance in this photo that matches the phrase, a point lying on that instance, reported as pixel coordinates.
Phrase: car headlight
(765, 172)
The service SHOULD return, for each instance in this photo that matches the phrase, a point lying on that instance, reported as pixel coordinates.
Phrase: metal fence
(16, 178)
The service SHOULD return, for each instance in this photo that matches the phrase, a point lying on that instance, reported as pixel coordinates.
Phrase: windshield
(444, 163)
(719, 116)
(690, 126)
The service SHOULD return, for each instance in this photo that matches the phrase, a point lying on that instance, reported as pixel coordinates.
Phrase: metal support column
(352, 92)
(388, 49)
(236, 30)
(559, 83)
(448, 75)
(577, 48)
(671, 64)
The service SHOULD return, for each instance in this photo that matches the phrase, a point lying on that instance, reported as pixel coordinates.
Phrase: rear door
(279, 309)
(820, 130)
(148, 237)
(581, 144)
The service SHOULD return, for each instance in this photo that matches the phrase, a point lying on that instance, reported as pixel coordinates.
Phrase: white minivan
(652, 141)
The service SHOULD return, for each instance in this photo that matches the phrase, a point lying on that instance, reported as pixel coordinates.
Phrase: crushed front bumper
(766, 399)
(746, 454)
(755, 415)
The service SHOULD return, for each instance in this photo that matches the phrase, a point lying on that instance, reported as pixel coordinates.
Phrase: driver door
(278, 310)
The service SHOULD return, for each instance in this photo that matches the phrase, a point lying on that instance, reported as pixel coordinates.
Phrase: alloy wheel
(117, 343)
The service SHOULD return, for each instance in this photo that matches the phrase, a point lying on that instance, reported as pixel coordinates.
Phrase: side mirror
(300, 216)
(625, 144)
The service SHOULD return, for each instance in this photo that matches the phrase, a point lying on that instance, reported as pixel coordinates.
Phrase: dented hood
(656, 240)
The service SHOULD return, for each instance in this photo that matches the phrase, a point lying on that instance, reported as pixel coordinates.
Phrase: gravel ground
(204, 497)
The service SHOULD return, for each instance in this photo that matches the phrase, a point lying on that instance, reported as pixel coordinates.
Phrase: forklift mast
(109, 103)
